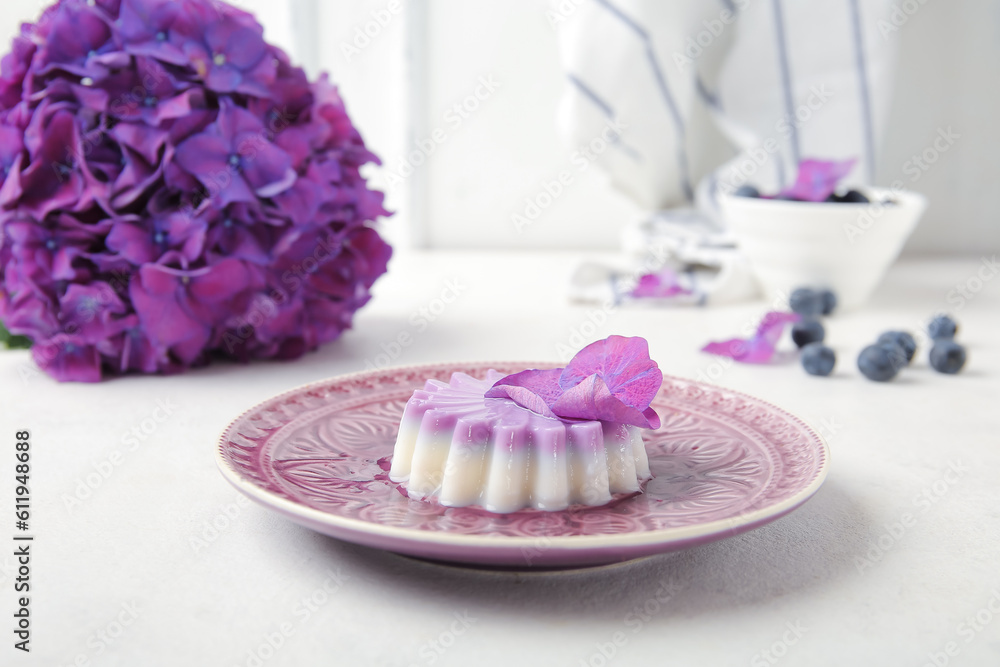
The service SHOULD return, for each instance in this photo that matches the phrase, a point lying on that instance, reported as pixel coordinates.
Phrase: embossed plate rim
(499, 549)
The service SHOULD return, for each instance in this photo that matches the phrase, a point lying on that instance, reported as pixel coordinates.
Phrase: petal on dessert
(624, 365)
(592, 399)
(533, 389)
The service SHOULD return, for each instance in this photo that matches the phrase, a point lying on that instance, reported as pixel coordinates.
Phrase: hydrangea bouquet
(173, 188)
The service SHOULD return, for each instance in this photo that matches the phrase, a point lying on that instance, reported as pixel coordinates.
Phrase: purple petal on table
(817, 179)
(532, 389)
(748, 351)
(624, 365)
(758, 349)
(664, 283)
(772, 325)
(592, 399)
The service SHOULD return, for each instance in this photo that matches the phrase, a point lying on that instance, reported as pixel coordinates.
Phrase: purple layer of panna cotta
(459, 448)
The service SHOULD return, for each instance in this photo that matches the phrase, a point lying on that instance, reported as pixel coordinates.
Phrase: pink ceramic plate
(723, 463)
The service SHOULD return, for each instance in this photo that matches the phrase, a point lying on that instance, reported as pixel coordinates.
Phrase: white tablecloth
(144, 555)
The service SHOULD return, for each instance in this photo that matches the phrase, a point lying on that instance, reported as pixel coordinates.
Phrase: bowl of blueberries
(846, 242)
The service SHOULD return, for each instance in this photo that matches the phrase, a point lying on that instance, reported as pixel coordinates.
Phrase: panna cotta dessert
(542, 439)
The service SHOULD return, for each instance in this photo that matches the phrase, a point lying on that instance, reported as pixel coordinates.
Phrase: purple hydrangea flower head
(173, 188)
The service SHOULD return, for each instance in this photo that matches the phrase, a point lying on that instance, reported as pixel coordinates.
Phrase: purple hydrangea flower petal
(53, 154)
(155, 28)
(76, 33)
(663, 284)
(817, 179)
(160, 299)
(11, 190)
(68, 359)
(593, 399)
(132, 241)
(235, 161)
(13, 69)
(139, 353)
(269, 171)
(611, 380)
(758, 349)
(29, 313)
(623, 364)
(532, 389)
(92, 311)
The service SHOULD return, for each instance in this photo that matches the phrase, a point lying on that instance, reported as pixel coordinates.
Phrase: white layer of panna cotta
(462, 449)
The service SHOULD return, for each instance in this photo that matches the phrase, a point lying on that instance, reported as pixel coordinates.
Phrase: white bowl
(844, 247)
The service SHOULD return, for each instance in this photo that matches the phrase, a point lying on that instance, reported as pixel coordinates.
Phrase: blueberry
(829, 300)
(942, 327)
(818, 359)
(747, 191)
(805, 302)
(854, 197)
(896, 352)
(947, 356)
(881, 363)
(808, 331)
(903, 339)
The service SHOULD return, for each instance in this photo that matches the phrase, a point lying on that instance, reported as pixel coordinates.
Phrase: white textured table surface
(896, 561)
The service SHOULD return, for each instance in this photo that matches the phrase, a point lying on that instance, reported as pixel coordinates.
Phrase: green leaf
(11, 341)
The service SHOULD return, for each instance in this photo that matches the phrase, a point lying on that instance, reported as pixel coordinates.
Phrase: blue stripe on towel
(607, 110)
(786, 78)
(661, 83)
(865, 93)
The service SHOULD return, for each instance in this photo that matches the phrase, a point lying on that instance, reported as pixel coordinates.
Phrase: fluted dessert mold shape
(459, 448)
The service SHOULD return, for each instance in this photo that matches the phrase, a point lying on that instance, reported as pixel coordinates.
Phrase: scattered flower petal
(663, 284)
(758, 349)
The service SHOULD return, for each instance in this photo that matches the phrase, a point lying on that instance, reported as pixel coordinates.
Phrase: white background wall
(507, 149)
